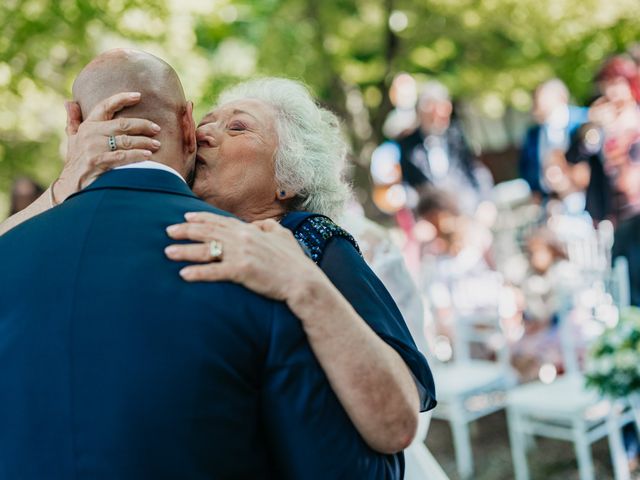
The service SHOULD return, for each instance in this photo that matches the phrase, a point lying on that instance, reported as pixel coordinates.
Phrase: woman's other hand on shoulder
(263, 256)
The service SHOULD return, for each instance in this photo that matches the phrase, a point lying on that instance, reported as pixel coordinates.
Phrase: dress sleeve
(351, 275)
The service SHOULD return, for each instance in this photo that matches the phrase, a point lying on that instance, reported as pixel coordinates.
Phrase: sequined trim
(314, 235)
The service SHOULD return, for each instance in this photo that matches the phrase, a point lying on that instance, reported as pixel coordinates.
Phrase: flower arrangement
(613, 361)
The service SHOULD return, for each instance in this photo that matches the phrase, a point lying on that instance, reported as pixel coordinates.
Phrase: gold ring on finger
(215, 250)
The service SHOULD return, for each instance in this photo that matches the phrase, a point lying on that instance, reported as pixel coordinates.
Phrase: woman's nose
(207, 136)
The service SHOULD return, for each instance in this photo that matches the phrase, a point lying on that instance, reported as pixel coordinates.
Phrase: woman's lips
(200, 160)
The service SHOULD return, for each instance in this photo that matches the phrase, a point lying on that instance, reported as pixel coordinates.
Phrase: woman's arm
(88, 154)
(41, 204)
(370, 379)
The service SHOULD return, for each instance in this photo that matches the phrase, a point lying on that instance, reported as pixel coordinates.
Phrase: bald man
(112, 367)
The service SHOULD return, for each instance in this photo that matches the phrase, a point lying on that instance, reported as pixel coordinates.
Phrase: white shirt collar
(150, 164)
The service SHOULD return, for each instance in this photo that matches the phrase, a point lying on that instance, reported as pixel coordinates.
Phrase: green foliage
(490, 51)
(42, 47)
(613, 364)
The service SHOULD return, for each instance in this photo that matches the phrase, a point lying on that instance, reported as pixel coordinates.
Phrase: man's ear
(188, 129)
(74, 117)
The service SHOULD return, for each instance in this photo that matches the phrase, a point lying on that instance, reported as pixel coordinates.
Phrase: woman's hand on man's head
(88, 151)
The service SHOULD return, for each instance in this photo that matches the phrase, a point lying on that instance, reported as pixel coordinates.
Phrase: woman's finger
(271, 226)
(268, 225)
(106, 109)
(126, 126)
(211, 272)
(131, 142)
(74, 117)
(193, 252)
(197, 232)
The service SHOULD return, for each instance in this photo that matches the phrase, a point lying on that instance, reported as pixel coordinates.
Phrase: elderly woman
(268, 154)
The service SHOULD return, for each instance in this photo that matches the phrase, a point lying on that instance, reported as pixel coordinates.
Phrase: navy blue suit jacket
(113, 367)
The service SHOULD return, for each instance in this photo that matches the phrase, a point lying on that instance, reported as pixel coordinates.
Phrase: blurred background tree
(491, 53)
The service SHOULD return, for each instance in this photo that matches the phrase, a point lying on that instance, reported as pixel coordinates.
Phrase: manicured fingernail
(155, 127)
(185, 272)
(147, 154)
(190, 215)
(170, 250)
(134, 95)
(155, 143)
(172, 228)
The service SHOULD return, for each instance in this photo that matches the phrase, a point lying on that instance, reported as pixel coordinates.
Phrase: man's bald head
(162, 101)
(127, 70)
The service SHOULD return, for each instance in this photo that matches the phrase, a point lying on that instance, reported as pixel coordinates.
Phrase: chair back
(599, 289)
(477, 300)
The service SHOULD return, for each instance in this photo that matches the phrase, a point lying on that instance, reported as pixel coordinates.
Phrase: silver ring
(112, 143)
(215, 250)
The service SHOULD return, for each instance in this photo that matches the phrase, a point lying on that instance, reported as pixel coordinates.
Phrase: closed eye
(237, 126)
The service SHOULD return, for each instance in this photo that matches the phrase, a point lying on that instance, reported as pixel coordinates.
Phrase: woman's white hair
(311, 153)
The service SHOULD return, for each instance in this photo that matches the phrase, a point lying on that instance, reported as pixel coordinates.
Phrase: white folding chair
(468, 388)
(566, 409)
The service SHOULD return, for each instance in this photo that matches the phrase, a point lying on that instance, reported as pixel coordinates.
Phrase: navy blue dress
(337, 254)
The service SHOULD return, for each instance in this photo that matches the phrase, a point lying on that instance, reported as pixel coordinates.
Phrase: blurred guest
(617, 111)
(627, 245)
(627, 235)
(453, 232)
(437, 154)
(23, 192)
(541, 157)
(540, 292)
(455, 251)
(403, 94)
(612, 138)
(546, 255)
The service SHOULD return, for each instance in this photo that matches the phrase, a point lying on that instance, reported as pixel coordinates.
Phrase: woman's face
(617, 90)
(235, 160)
